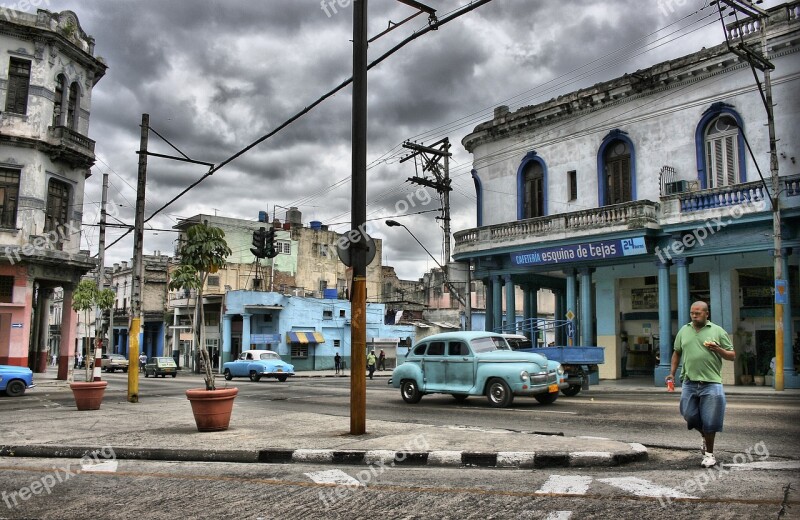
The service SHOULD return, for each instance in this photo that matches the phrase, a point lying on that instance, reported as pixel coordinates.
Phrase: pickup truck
(578, 362)
(113, 362)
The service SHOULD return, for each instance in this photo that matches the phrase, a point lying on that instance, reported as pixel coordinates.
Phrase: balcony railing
(628, 215)
(735, 195)
(71, 139)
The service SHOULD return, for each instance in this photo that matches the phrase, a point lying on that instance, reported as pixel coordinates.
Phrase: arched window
(720, 147)
(72, 106)
(721, 152)
(58, 102)
(532, 187)
(617, 161)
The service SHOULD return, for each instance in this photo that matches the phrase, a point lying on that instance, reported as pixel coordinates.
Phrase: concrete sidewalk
(163, 428)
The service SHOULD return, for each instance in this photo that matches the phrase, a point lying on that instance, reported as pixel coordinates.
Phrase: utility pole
(759, 60)
(136, 273)
(358, 328)
(101, 256)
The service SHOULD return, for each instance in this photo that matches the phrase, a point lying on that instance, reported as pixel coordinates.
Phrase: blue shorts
(703, 406)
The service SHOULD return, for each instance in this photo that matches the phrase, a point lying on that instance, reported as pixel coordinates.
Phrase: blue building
(307, 332)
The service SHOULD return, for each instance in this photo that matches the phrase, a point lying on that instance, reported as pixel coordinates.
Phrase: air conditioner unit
(671, 188)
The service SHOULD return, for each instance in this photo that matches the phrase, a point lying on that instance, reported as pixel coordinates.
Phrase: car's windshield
(518, 343)
(488, 344)
(269, 355)
(116, 356)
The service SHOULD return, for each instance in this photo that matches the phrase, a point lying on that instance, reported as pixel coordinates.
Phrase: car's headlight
(560, 370)
(524, 375)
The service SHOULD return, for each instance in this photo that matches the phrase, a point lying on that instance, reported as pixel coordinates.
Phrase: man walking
(382, 360)
(371, 361)
(337, 362)
(703, 346)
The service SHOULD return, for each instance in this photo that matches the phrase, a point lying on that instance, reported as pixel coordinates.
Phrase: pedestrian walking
(703, 346)
(142, 360)
(337, 362)
(382, 361)
(371, 361)
(54, 360)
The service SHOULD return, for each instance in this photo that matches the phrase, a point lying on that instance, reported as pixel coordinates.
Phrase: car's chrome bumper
(538, 389)
(276, 374)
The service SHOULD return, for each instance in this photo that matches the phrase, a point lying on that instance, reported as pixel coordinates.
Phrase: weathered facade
(637, 196)
(46, 83)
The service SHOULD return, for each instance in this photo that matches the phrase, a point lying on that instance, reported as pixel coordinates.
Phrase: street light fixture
(461, 300)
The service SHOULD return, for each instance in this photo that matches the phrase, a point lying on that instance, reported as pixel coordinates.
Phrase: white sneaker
(708, 460)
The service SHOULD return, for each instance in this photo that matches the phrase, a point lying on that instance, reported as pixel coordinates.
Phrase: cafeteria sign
(579, 252)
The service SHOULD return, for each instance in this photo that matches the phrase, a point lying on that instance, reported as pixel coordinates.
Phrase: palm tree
(85, 298)
(203, 252)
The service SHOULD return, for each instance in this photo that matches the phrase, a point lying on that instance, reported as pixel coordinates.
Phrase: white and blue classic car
(256, 364)
(14, 380)
(476, 363)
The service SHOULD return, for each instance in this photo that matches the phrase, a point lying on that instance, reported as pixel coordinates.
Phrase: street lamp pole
(448, 283)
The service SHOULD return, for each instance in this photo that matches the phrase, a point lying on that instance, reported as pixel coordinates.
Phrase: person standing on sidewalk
(382, 360)
(337, 362)
(703, 345)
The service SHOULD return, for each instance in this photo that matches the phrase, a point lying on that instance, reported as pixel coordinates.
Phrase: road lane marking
(566, 484)
(559, 515)
(777, 465)
(333, 476)
(644, 488)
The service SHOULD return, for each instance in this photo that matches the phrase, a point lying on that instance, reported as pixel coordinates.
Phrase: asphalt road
(767, 427)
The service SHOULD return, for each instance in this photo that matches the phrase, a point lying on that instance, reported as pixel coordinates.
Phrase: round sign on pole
(350, 240)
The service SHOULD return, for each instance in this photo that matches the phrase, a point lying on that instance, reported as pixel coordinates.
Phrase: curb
(462, 459)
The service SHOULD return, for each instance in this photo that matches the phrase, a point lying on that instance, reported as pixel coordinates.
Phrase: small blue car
(14, 380)
(256, 364)
(476, 363)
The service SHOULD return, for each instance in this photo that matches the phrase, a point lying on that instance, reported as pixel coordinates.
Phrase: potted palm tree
(746, 358)
(204, 251)
(89, 393)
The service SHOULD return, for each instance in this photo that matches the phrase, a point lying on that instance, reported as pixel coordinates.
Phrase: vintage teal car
(476, 363)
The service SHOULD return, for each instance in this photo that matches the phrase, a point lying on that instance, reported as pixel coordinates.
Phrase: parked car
(256, 364)
(112, 362)
(161, 366)
(14, 380)
(476, 363)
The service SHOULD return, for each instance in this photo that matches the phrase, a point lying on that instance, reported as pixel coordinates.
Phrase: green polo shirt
(699, 363)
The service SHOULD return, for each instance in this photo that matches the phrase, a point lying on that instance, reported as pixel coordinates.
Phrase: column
(68, 327)
(488, 322)
(511, 305)
(226, 337)
(561, 332)
(682, 267)
(176, 334)
(607, 315)
(497, 302)
(534, 304)
(526, 309)
(246, 331)
(664, 326)
(791, 379)
(587, 312)
(45, 295)
(571, 302)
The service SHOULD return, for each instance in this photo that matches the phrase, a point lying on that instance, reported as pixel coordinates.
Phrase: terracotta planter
(758, 380)
(212, 408)
(88, 396)
(746, 379)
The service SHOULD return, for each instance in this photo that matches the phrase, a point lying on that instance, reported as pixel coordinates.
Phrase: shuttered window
(618, 173)
(721, 154)
(9, 190)
(19, 77)
(533, 199)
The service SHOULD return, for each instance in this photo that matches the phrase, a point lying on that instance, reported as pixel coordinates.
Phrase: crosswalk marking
(566, 484)
(333, 476)
(643, 488)
(776, 465)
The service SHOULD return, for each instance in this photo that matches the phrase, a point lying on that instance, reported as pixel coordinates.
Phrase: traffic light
(270, 247)
(259, 248)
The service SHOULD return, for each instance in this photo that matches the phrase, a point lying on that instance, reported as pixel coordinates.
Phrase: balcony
(726, 204)
(635, 215)
(71, 146)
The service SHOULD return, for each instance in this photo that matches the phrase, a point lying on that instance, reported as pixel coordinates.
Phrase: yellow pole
(133, 363)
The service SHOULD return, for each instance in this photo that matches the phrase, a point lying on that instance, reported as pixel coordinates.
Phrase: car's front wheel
(226, 373)
(15, 388)
(460, 397)
(499, 393)
(547, 398)
(410, 391)
(146, 373)
(571, 390)
(255, 376)
(173, 375)
(282, 379)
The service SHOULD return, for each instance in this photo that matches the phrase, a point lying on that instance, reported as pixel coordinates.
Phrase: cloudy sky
(215, 75)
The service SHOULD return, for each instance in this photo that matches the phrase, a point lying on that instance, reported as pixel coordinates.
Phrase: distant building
(46, 83)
